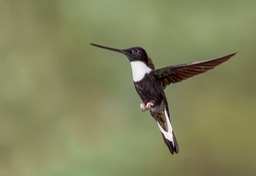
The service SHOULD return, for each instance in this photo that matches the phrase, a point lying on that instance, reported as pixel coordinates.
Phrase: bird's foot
(143, 107)
(149, 105)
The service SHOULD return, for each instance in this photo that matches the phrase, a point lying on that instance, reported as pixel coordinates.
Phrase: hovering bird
(150, 84)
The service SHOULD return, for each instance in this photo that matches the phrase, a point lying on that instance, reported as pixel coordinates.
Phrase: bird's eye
(135, 51)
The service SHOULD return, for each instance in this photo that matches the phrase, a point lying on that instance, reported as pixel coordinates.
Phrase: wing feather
(178, 73)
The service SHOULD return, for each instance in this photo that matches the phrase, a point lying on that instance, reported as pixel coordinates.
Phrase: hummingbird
(150, 84)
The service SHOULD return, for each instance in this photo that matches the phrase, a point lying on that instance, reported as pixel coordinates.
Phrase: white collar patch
(139, 69)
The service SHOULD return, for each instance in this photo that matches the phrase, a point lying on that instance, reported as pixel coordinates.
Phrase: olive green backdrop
(67, 108)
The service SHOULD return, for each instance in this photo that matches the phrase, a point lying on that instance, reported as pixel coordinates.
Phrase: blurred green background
(67, 108)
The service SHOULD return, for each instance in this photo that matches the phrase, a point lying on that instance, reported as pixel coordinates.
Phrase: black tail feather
(173, 147)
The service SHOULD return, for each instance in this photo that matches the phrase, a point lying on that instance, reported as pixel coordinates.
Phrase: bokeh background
(67, 108)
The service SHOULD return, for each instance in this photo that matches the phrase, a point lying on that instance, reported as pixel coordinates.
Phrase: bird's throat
(139, 69)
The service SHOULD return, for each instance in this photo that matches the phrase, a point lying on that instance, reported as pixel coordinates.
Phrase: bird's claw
(143, 107)
(148, 106)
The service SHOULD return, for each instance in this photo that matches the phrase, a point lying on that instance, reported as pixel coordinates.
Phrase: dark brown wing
(178, 73)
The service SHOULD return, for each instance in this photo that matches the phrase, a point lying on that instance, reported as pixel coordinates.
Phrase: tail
(168, 134)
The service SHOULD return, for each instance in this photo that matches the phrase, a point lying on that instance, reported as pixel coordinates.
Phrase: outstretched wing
(178, 73)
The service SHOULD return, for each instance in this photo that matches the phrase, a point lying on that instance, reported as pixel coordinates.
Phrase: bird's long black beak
(108, 48)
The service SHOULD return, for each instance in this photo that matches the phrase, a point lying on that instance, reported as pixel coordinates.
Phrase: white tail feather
(169, 133)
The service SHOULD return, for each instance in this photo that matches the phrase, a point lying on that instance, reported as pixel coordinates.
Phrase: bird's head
(133, 54)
